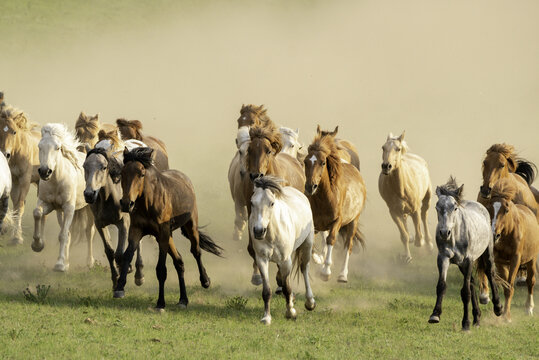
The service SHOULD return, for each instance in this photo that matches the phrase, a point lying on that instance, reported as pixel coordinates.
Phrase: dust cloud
(457, 76)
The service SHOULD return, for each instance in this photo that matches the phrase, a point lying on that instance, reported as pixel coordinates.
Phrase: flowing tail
(527, 170)
(207, 244)
(360, 238)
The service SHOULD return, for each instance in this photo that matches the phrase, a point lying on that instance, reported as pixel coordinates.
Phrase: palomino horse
(61, 189)
(337, 193)
(516, 241)
(501, 162)
(405, 186)
(5, 191)
(281, 223)
(132, 129)
(264, 158)
(87, 127)
(103, 194)
(18, 142)
(463, 236)
(160, 202)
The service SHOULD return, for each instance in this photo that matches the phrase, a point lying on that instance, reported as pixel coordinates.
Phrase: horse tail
(9, 222)
(207, 244)
(527, 170)
(359, 238)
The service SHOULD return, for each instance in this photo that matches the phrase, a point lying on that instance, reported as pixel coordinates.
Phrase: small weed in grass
(236, 303)
(14, 333)
(41, 294)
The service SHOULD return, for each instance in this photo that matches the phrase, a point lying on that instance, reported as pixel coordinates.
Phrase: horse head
(264, 145)
(449, 198)
(267, 189)
(136, 163)
(499, 162)
(393, 149)
(322, 158)
(8, 133)
(252, 115)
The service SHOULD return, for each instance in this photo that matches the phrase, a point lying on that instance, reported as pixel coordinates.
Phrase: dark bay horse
(337, 193)
(160, 202)
(264, 158)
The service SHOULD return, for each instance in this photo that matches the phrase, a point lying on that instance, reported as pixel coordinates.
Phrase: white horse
(5, 190)
(291, 143)
(280, 224)
(61, 188)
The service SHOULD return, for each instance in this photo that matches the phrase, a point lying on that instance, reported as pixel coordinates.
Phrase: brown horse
(87, 129)
(160, 202)
(252, 115)
(18, 142)
(346, 150)
(337, 193)
(501, 162)
(263, 157)
(516, 241)
(132, 129)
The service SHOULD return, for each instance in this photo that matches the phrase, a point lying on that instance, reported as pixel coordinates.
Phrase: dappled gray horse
(463, 235)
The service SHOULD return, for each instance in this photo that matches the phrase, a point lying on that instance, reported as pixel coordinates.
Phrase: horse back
(351, 154)
(476, 233)
(178, 193)
(161, 155)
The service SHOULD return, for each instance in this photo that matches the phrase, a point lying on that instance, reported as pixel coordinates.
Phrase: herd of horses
(284, 193)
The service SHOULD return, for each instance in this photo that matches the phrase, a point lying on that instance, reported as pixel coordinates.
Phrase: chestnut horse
(263, 157)
(516, 241)
(132, 129)
(87, 128)
(18, 141)
(405, 186)
(160, 202)
(337, 193)
(252, 115)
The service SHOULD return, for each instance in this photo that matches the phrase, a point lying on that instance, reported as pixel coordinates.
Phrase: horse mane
(260, 112)
(404, 144)
(526, 169)
(288, 132)
(141, 154)
(115, 168)
(123, 126)
(271, 183)
(269, 133)
(451, 188)
(67, 138)
(324, 142)
(113, 136)
(18, 117)
(504, 189)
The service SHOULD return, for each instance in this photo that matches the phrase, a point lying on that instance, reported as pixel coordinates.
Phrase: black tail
(206, 243)
(527, 170)
(359, 238)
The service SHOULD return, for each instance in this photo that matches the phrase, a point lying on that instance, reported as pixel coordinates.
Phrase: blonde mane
(67, 139)
(18, 117)
(404, 144)
(324, 142)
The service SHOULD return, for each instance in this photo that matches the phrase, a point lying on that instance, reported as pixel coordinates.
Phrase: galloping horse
(263, 157)
(516, 241)
(132, 129)
(5, 190)
(160, 202)
(87, 128)
(281, 223)
(463, 235)
(336, 192)
(61, 189)
(405, 186)
(252, 115)
(18, 143)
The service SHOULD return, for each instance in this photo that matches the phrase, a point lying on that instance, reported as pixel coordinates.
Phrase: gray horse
(463, 235)
(103, 192)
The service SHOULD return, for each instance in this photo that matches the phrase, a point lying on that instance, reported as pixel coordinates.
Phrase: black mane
(115, 167)
(141, 154)
(452, 189)
(272, 183)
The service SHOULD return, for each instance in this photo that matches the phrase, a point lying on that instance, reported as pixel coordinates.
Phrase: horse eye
(104, 168)
(14, 132)
(323, 163)
(268, 152)
(57, 148)
(272, 204)
(398, 149)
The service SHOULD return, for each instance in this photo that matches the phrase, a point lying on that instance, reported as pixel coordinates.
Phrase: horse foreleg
(161, 269)
(90, 233)
(319, 258)
(400, 221)
(284, 270)
(443, 265)
(304, 258)
(18, 196)
(135, 234)
(348, 245)
(65, 238)
(465, 293)
(40, 212)
(109, 252)
(417, 226)
(330, 241)
(514, 265)
(424, 209)
(530, 281)
(4, 206)
(266, 289)
(256, 278)
(240, 221)
(180, 269)
(476, 311)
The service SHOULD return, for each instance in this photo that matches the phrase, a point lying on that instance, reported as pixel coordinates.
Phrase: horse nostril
(8, 155)
(389, 166)
(49, 171)
(131, 203)
(314, 186)
(448, 233)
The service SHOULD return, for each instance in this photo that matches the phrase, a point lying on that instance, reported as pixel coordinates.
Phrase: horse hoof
(38, 247)
(484, 299)
(521, 281)
(205, 282)
(498, 310)
(91, 263)
(17, 241)
(181, 305)
(119, 294)
(434, 319)
(59, 267)
(342, 279)
(529, 311)
(318, 259)
(291, 314)
(279, 290)
(418, 243)
(139, 281)
(266, 320)
(324, 277)
(256, 280)
(310, 304)
(159, 310)
(236, 236)
(405, 259)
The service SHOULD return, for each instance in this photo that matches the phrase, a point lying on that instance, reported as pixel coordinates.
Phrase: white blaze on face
(313, 159)
(497, 205)
(6, 129)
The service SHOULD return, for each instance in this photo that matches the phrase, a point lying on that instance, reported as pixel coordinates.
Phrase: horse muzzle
(444, 234)
(44, 173)
(310, 189)
(259, 233)
(127, 205)
(90, 196)
(386, 168)
(7, 154)
(485, 191)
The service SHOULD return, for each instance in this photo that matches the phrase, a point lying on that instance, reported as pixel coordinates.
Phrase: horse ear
(82, 115)
(389, 136)
(318, 130)
(402, 135)
(438, 191)
(126, 150)
(153, 154)
(511, 165)
(95, 117)
(334, 133)
(460, 190)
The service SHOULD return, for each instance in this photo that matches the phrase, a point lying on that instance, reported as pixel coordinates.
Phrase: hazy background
(458, 76)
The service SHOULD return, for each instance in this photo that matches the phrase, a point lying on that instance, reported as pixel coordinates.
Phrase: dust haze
(457, 76)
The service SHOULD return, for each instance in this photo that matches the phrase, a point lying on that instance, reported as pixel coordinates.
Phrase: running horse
(87, 129)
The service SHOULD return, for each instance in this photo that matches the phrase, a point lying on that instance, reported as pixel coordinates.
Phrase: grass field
(193, 63)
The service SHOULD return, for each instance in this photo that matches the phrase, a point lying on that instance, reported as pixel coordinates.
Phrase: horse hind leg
(191, 232)
(530, 281)
(348, 235)
(180, 270)
(400, 221)
(304, 258)
(239, 222)
(418, 233)
(424, 209)
(284, 269)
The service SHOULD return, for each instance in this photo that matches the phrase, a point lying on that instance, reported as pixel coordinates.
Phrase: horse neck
(151, 192)
(397, 178)
(325, 188)
(26, 146)
(512, 220)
